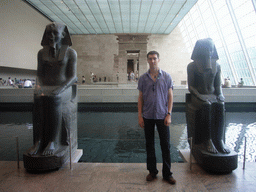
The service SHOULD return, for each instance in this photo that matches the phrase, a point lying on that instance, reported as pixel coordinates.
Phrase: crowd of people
(18, 83)
(131, 76)
(94, 78)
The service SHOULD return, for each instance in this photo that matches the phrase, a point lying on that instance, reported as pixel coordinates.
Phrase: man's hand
(167, 120)
(141, 122)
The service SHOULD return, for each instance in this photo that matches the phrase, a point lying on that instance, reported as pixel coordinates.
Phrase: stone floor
(123, 177)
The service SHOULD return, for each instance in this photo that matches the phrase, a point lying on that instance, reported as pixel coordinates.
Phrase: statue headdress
(65, 41)
(200, 48)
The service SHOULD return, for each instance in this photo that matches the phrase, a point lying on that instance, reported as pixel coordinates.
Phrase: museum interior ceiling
(115, 16)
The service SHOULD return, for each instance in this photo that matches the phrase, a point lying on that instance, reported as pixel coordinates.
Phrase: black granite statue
(205, 103)
(55, 106)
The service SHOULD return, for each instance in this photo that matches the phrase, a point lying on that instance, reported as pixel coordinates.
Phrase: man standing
(154, 108)
(9, 82)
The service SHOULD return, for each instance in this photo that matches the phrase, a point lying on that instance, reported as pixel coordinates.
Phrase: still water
(116, 136)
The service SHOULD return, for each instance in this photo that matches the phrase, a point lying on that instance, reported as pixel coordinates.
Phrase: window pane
(213, 18)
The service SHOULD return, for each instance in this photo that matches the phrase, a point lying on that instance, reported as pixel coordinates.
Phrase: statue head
(204, 48)
(206, 52)
(56, 33)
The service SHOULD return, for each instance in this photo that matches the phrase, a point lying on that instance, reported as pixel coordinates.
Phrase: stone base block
(215, 163)
(38, 163)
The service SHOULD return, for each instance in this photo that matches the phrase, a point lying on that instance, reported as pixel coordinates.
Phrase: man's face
(153, 61)
(54, 34)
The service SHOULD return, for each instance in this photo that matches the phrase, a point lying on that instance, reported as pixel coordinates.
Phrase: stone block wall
(97, 53)
(174, 56)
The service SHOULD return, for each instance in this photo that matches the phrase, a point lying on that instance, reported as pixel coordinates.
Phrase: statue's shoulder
(191, 66)
(40, 53)
(71, 52)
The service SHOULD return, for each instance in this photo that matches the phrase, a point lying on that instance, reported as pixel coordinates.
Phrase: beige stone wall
(21, 33)
(174, 56)
(96, 53)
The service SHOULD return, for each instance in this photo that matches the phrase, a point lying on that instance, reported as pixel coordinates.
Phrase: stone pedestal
(40, 162)
(215, 163)
(45, 163)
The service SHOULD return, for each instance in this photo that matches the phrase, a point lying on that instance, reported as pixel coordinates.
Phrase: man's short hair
(153, 53)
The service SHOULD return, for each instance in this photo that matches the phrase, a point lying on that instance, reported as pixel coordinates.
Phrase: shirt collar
(160, 71)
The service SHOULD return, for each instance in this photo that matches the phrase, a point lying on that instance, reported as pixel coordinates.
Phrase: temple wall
(174, 56)
(96, 53)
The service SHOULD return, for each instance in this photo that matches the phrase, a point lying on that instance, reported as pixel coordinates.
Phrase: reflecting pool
(116, 136)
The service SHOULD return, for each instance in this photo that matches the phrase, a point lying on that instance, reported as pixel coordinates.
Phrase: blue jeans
(164, 135)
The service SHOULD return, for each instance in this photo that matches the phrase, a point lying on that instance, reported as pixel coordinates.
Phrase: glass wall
(232, 26)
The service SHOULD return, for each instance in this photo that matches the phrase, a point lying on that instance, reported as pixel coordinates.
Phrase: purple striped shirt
(155, 94)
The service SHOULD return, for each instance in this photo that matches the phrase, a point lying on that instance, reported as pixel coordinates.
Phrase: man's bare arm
(168, 120)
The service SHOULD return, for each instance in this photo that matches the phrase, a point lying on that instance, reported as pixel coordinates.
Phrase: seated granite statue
(54, 94)
(204, 84)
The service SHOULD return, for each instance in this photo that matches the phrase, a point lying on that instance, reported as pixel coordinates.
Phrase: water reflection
(235, 140)
(116, 137)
